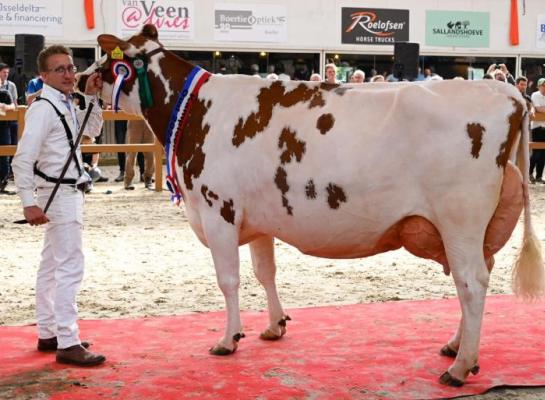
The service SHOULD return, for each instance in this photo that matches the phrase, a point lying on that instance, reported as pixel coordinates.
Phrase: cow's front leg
(262, 250)
(222, 239)
(471, 277)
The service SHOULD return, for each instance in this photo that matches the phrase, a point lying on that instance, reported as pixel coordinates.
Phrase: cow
(338, 171)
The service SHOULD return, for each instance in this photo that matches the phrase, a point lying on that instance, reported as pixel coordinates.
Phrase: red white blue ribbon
(178, 120)
(123, 72)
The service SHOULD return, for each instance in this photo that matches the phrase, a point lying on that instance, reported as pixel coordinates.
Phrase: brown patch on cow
(293, 147)
(328, 86)
(335, 195)
(316, 101)
(269, 97)
(228, 212)
(475, 133)
(515, 120)
(190, 153)
(208, 195)
(342, 90)
(310, 190)
(281, 181)
(325, 123)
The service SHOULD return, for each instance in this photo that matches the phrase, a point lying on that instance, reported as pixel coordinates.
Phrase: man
(12, 89)
(41, 155)
(6, 104)
(358, 76)
(331, 73)
(537, 160)
(138, 131)
(522, 85)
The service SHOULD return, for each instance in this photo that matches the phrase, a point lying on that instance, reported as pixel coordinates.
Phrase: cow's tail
(528, 276)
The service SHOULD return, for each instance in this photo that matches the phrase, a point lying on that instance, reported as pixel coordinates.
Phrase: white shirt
(44, 140)
(538, 100)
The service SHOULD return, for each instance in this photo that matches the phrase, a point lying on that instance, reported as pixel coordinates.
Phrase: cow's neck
(175, 71)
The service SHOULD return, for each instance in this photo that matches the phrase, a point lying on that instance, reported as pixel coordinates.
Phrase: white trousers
(61, 267)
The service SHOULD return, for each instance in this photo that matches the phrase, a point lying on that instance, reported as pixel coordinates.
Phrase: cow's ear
(110, 42)
(150, 31)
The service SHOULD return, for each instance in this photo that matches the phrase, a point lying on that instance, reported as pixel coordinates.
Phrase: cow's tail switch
(528, 275)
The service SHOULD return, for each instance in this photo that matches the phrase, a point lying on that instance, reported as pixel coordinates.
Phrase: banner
(173, 19)
(374, 26)
(540, 38)
(250, 23)
(457, 28)
(43, 17)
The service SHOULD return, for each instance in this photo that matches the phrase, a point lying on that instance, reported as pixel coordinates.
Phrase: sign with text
(173, 19)
(374, 26)
(540, 38)
(457, 28)
(43, 17)
(250, 23)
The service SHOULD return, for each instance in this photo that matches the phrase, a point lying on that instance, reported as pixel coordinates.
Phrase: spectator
(12, 89)
(378, 78)
(358, 76)
(500, 73)
(6, 104)
(34, 88)
(537, 160)
(522, 85)
(315, 78)
(41, 155)
(138, 131)
(120, 130)
(331, 73)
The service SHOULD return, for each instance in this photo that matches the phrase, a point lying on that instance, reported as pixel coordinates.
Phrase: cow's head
(127, 60)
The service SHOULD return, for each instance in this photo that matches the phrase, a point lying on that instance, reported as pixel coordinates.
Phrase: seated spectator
(358, 76)
(315, 78)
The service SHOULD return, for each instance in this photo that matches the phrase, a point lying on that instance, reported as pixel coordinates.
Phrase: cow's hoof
(448, 380)
(221, 351)
(269, 334)
(448, 352)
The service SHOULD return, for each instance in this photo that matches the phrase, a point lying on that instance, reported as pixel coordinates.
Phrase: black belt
(66, 181)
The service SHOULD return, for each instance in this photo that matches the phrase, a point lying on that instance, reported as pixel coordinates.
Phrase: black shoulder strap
(69, 135)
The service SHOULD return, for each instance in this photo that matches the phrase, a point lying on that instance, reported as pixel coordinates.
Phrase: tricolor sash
(178, 120)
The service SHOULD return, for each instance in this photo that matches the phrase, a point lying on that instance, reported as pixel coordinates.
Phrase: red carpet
(367, 351)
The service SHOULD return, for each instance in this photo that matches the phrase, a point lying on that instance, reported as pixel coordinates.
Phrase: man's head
(358, 76)
(57, 68)
(499, 75)
(4, 72)
(541, 85)
(330, 73)
(522, 84)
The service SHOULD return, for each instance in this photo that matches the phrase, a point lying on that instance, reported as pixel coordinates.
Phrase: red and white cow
(340, 172)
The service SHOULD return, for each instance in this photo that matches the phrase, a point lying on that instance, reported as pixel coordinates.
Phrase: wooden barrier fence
(155, 148)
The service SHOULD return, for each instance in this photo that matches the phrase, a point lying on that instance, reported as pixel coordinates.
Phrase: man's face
(60, 73)
(358, 78)
(4, 74)
(330, 74)
(522, 86)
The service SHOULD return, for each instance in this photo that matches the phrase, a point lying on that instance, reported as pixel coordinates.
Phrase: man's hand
(35, 216)
(93, 84)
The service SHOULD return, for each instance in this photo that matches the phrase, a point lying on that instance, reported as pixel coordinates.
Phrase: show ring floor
(364, 351)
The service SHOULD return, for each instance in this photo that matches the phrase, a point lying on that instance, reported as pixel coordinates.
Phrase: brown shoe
(78, 355)
(51, 344)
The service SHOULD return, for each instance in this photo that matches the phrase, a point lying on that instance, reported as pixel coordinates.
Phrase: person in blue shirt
(34, 89)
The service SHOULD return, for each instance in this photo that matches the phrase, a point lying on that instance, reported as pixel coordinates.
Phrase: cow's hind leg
(262, 250)
(471, 276)
(222, 239)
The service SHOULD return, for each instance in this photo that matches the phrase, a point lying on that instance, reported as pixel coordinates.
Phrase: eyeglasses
(71, 69)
